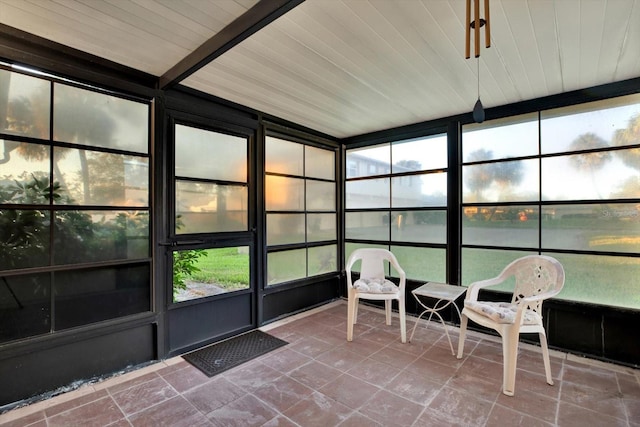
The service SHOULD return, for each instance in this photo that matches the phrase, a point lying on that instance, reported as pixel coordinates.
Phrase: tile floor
(319, 379)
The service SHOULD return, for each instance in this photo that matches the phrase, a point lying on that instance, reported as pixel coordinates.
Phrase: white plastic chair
(373, 285)
(537, 277)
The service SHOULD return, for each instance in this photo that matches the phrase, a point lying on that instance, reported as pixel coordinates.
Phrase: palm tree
(589, 162)
(629, 136)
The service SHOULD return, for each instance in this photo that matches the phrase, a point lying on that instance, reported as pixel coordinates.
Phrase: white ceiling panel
(348, 67)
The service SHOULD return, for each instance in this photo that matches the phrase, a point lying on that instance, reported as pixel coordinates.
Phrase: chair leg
(387, 310)
(545, 357)
(510, 360)
(463, 333)
(352, 306)
(403, 321)
(355, 313)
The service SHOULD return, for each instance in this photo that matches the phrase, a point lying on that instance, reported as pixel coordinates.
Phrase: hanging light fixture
(475, 24)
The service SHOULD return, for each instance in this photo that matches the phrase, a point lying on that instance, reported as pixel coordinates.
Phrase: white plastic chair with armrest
(373, 285)
(537, 277)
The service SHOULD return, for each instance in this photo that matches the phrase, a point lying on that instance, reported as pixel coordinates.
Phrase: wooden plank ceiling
(349, 67)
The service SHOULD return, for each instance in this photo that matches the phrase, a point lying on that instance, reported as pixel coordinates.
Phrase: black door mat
(226, 354)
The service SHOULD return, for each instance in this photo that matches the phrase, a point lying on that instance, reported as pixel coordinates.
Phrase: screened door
(210, 245)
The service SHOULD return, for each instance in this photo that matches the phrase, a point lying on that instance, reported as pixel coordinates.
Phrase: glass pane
(321, 196)
(368, 161)
(25, 238)
(419, 154)
(419, 226)
(284, 229)
(612, 122)
(602, 227)
(285, 266)
(100, 179)
(500, 139)
(25, 105)
(323, 259)
(88, 296)
(284, 157)
(284, 194)
(24, 175)
(205, 154)
(590, 176)
(511, 181)
(87, 236)
(422, 264)
(367, 193)
(321, 227)
(481, 264)
(415, 191)
(500, 226)
(25, 306)
(320, 163)
(367, 225)
(208, 208)
(98, 120)
(350, 247)
(199, 273)
(601, 280)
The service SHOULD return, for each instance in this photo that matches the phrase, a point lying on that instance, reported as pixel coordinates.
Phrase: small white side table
(445, 295)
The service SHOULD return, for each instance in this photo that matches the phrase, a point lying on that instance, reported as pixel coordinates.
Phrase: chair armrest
(474, 288)
(539, 297)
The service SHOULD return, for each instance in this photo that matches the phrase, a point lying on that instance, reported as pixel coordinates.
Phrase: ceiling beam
(260, 15)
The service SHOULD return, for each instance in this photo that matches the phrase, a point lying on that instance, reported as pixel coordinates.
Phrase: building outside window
(405, 208)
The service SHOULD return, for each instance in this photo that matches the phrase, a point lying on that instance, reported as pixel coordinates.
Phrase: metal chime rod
(476, 23)
(476, 27)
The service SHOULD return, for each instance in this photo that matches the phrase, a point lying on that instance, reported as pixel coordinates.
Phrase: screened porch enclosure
(142, 217)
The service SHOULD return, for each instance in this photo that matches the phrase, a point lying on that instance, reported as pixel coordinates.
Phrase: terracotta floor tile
(341, 358)
(247, 411)
(590, 376)
(318, 410)
(120, 386)
(501, 416)
(606, 403)
(349, 390)
(315, 374)
(536, 383)
(356, 419)
(532, 404)
(251, 375)
(185, 379)
(35, 418)
(431, 370)
(364, 347)
(571, 415)
(280, 421)
(391, 410)
(377, 373)
(176, 412)
(392, 356)
(455, 407)
(144, 395)
(213, 395)
(311, 346)
(286, 360)
(629, 386)
(82, 400)
(320, 379)
(283, 392)
(632, 407)
(100, 412)
(416, 388)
